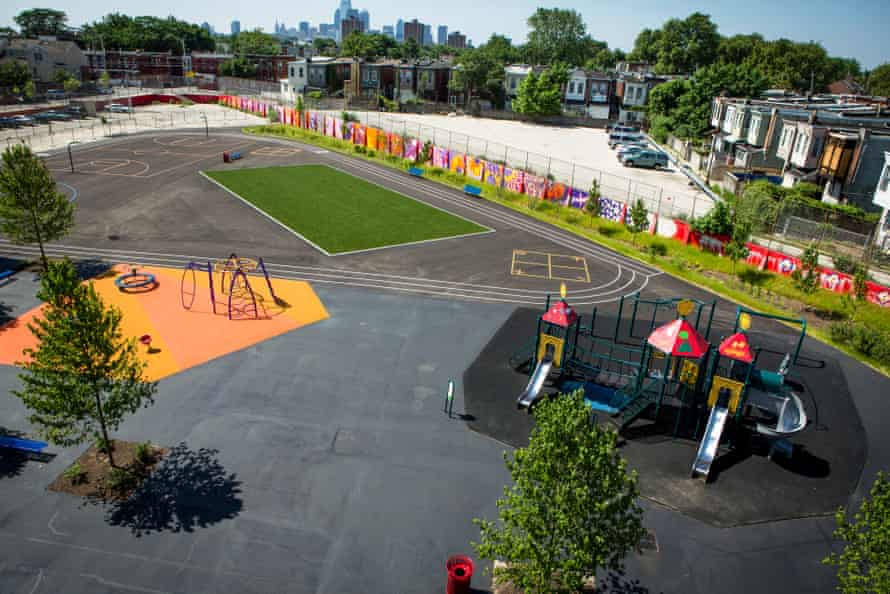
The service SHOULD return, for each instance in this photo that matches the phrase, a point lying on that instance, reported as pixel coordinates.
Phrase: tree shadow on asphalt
(11, 463)
(616, 582)
(189, 489)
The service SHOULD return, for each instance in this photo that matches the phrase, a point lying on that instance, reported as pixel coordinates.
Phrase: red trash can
(225, 157)
(460, 572)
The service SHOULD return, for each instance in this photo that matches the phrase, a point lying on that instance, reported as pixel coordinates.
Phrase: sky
(855, 28)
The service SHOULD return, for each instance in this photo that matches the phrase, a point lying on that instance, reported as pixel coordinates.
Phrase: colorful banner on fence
(612, 210)
(396, 145)
(338, 128)
(557, 191)
(358, 134)
(458, 164)
(494, 174)
(475, 168)
(440, 157)
(412, 149)
(514, 180)
(329, 126)
(535, 186)
(371, 137)
(877, 294)
(577, 198)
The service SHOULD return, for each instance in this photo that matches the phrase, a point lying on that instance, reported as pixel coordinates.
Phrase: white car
(117, 108)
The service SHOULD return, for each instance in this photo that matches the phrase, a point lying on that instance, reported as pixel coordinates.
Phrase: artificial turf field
(338, 212)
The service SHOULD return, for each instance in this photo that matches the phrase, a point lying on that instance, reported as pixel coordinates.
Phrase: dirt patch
(91, 475)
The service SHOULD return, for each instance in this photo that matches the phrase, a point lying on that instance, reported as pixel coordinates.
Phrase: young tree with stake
(83, 377)
(31, 209)
(571, 508)
(639, 220)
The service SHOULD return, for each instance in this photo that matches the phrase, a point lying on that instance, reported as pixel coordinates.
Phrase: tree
(83, 377)
(646, 46)
(686, 45)
(878, 81)
(737, 247)
(324, 46)
(738, 48)
(639, 219)
(255, 43)
(71, 85)
(146, 33)
(14, 73)
(31, 209)
(592, 207)
(806, 278)
(28, 90)
(864, 564)
(717, 221)
(238, 66)
(478, 74)
(556, 35)
(542, 95)
(571, 508)
(41, 21)
(500, 49)
(104, 79)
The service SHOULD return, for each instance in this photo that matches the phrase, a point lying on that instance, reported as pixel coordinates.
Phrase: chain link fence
(620, 188)
(59, 133)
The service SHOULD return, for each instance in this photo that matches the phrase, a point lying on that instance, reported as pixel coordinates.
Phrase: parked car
(117, 108)
(52, 116)
(76, 110)
(23, 120)
(611, 128)
(616, 138)
(7, 123)
(56, 94)
(106, 91)
(646, 158)
(628, 149)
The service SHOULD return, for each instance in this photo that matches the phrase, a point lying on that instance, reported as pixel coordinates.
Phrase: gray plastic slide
(707, 450)
(532, 391)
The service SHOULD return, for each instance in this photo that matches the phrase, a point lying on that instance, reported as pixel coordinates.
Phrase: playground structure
(242, 301)
(649, 364)
(135, 281)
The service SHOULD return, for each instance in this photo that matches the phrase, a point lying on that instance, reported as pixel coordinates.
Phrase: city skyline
(843, 32)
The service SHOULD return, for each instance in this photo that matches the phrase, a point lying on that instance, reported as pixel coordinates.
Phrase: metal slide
(708, 448)
(532, 391)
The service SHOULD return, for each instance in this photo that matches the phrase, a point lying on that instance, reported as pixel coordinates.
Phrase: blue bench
(471, 190)
(25, 445)
(416, 171)
(6, 274)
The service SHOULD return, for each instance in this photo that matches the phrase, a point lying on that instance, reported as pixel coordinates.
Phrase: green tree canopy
(255, 43)
(41, 21)
(639, 219)
(542, 95)
(864, 564)
(368, 46)
(31, 209)
(557, 35)
(83, 377)
(148, 33)
(685, 45)
(571, 508)
(795, 66)
(14, 73)
(879, 80)
(738, 48)
(324, 46)
(238, 66)
(646, 46)
(500, 49)
(479, 75)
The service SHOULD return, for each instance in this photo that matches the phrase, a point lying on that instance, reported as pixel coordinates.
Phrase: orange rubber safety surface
(182, 338)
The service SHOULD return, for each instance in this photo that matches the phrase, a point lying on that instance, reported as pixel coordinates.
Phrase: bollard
(460, 574)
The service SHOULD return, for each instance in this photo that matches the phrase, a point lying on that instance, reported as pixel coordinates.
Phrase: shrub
(144, 453)
(718, 221)
(657, 248)
(572, 218)
(841, 332)
(372, 153)
(358, 149)
(119, 479)
(546, 206)
(75, 474)
(844, 263)
(865, 339)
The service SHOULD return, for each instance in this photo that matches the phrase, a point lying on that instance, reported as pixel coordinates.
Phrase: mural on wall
(358, 134)
(458, 164)
(329, 126)
(535, 185)
(494, 174)
(371, 137)
(514, 180)
(475, 168)
(612, 210)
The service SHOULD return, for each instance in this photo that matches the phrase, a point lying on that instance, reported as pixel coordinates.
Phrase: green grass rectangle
(339, 212)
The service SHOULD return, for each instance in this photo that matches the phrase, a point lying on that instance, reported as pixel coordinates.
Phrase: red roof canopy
(737, 347)
(678, 338)
(561, 314)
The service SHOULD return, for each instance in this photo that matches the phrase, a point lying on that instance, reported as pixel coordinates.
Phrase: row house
(836, 145)
(207, 64)
(881, 199)
(589, 93)
(632, 94)
(134, 64)
(45, 56)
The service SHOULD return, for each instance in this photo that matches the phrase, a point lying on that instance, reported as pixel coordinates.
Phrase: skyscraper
(442, 35)
(427, 35)
(304, 29)
(350, 25)
(389, 31)
(400, 30)
(413, 30)
(236, 27)
(365, 17)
